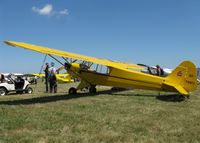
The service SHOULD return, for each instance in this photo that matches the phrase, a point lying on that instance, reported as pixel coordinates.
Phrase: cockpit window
(95, 67)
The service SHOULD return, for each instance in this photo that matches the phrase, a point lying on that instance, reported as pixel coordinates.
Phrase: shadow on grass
(166, 98)
(50, 98)
(134, 94)
(54, 98)
(171, 98)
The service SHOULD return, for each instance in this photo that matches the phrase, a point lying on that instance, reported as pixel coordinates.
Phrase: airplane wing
(60, 53)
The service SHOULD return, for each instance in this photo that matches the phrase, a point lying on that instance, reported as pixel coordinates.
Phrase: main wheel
(29, 90)
(72, 91)
(3, 91)
(92, 89)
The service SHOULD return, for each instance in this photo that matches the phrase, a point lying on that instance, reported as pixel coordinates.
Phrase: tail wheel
(92, 89)
(72, 91)
(29, 90)
(3, 92)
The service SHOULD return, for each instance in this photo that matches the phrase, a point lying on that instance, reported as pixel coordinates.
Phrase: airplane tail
(183, 78)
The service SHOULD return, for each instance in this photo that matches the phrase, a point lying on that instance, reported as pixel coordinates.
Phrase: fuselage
(124, 78)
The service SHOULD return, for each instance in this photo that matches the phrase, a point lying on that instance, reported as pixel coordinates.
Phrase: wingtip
(9, 43)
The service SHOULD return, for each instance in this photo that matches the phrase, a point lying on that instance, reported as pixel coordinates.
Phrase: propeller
(67, 65)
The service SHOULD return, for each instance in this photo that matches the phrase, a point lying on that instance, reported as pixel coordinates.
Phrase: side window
(103, 69)
(100, 69)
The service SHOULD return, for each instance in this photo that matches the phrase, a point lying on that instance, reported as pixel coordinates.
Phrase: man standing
(46, 71)
(52, 78)
(2, 78)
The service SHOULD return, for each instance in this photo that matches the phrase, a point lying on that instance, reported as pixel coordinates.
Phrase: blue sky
(136, 31)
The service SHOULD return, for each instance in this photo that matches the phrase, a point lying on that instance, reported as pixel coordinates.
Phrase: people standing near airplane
(46, 71)
(2, 78)
(52, 78)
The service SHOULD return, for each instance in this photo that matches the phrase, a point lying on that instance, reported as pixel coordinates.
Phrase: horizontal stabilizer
(173, 87)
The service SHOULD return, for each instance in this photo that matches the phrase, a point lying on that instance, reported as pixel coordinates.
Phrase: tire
(3, 91)
(72, 91)
(29, 90)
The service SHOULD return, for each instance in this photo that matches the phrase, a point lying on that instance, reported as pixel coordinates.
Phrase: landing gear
(92, 89)
(72, 91)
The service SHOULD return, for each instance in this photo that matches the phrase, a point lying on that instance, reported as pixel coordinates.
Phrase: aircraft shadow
(54, 98)
(171, 98)
(50, 98)
(133, 94)
(163, 97)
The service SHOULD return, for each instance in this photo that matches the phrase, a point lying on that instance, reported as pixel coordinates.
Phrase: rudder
(184, 76)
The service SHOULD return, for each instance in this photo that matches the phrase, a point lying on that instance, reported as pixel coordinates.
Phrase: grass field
(126, 116)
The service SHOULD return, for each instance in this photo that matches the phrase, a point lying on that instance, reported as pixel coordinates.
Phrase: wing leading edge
(60, 53)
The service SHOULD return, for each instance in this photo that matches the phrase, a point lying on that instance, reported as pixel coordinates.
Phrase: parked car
(16, 84)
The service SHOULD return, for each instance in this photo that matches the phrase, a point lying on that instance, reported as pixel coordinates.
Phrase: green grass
(127, 116)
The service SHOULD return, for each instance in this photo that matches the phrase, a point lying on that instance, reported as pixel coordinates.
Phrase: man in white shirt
(52, 78)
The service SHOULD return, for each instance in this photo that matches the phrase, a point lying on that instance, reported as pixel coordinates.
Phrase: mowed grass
(111, 117)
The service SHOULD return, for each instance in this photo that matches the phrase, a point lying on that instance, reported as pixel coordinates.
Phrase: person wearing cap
(52, 78)
(46, 72)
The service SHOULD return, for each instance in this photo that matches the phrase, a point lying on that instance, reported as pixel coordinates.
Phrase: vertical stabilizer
(184, 77)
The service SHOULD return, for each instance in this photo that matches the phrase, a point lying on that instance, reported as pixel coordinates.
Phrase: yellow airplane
(94, 71)
(61, 78)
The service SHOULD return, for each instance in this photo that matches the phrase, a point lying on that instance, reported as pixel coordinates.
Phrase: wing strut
(43, 63)
(56, 59)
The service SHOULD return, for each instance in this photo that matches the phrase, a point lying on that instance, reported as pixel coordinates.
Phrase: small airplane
(95, 71)
(61, 78)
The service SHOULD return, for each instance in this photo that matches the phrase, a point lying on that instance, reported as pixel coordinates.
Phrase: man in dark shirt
(2, 78)
(159, 71)
(46, 71)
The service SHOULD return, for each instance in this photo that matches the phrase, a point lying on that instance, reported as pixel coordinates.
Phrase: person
(52, 78)
(46, 72)
(35, 79)
(159, 71)
(2, 78)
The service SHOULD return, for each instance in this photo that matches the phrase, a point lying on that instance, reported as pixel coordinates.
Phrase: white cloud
(64, 12)
(46, 10)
